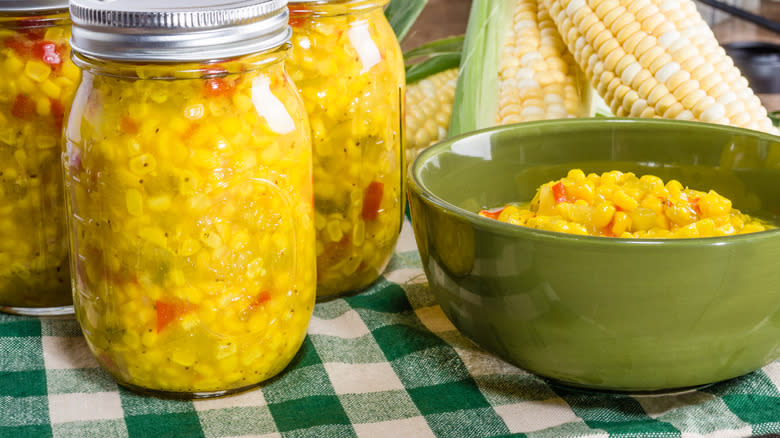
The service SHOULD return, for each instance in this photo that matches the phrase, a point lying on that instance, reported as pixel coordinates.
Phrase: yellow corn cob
(538, 77)
(428, 109)
(515, 67)
(657, 58)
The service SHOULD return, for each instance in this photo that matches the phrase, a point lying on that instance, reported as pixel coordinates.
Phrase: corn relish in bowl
(637, 312)
(618, 204)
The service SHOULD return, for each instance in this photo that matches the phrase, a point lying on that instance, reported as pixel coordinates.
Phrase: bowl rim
(506, 229)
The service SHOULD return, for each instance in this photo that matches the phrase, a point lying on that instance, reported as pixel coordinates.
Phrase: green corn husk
(489, 23)
(401, 14)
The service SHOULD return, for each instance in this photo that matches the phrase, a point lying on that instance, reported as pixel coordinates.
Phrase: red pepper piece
(218, 86)
(559, 193)
(297, 15)
(260, 299)
(23, 107)
(19, 45)
(167, 312)
(47, 52)
(126, 124)
(372, 199)
(492, 214)
(695, 206)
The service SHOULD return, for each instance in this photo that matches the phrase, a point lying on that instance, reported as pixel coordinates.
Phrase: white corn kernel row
(538, 77)
(657, 58)
(428, 110)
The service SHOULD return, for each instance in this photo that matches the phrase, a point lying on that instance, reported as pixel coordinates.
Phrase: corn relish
(190, 198)
(191, 222)
(348, 67)
(617, 204)
(38, 83)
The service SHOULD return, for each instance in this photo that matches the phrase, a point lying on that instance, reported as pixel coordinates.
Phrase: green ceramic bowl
(597, 312)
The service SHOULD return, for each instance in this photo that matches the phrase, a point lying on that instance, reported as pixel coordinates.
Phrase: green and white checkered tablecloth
(384, 363)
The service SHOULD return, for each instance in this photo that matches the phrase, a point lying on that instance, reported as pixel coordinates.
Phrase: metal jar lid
(177, 30)
(17, 6)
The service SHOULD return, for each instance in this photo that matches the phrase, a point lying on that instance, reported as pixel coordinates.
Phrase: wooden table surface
(442, 18)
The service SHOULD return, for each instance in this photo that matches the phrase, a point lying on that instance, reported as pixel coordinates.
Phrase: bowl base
(664, 392)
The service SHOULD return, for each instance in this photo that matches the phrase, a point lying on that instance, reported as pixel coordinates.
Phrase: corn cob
(515, 68)
(428, 109)
(538, 77)
(657, 58)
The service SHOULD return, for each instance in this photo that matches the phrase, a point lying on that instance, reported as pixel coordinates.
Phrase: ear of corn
(515, 68)
(428, 109)
(431, 74)
(657, 58)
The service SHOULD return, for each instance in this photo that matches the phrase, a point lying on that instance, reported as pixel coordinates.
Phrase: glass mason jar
(38, 83)
(348, 66)
(189, 187)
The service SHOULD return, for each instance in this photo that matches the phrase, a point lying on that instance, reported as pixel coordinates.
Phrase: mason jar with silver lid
(38, 83)
(349, 69)
(188, 180)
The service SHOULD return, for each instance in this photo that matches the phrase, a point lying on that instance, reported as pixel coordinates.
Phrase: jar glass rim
(167, 70)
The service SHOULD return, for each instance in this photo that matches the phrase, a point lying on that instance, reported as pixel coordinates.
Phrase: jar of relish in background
(348, 66)
(38, 82)
(188, 181)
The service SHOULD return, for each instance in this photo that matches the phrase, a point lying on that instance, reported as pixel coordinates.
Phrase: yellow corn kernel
(653, 203)
(642, 219)
(51, 89)
(13, 64)
(602, 215)
(580, 212)
(194, 112)
(134, 202)
(576, 175)
(622, 223)
(46, 141)
(159, 203)
(712, 205)
(183, 357)
(675, 189)
(54, 33)
(624, 201)
(71, 71)
(334, 232)
(189, 247)
(143, 164)
(679, 214)
(37, 70)
(583, 190)
(212, 240)
(255, 269)
(242, 103)
(26, 85)
(43, 107)
(153, 235)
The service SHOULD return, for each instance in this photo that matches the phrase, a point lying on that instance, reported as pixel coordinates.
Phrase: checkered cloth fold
(386, 362)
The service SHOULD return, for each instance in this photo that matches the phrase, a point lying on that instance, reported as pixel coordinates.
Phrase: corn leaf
(476, 95)
(431, 66)
(433, 57)
(775, 117)
(402, 14)
(438, 47)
